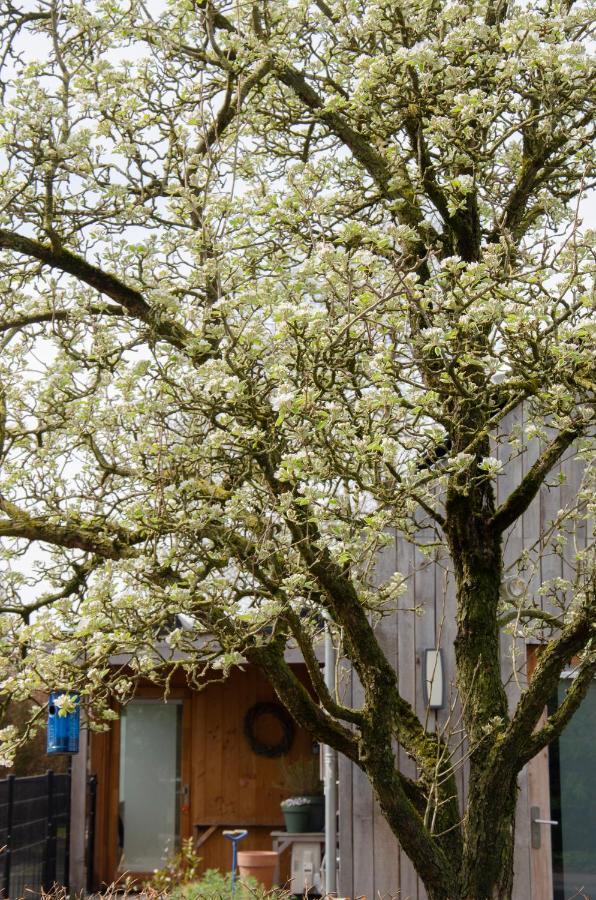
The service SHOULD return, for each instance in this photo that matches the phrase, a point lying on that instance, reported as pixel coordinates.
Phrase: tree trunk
(476, 551)
(487, 872)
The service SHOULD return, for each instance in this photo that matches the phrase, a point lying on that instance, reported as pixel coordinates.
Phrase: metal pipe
(330, 782)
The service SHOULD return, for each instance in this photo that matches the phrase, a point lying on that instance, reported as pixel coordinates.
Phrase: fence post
(8, 847)
(91, 832)
(68, 825)
(49, 873)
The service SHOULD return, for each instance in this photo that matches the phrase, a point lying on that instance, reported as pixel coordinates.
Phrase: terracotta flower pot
(258, 863)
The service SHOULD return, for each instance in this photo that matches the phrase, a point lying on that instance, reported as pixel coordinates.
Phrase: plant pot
(297, 818)
(260, 864)
(316, 814)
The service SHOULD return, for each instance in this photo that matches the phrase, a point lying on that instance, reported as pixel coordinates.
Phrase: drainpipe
(330, 783)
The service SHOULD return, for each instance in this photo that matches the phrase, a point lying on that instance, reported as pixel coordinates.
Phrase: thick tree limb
(401, 812)
(378, 678)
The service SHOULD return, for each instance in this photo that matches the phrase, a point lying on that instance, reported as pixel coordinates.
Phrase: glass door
(572, 764)
(150, 782)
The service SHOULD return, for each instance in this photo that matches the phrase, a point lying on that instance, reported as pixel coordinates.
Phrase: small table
(284, 839)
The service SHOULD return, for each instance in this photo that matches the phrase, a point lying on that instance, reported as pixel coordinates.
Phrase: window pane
(573, 801)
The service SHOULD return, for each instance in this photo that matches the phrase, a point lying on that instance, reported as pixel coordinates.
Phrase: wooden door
(109, 761)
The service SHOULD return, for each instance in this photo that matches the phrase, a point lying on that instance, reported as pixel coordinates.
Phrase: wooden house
(552, 861)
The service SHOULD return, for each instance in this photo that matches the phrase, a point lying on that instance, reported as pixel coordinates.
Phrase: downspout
(330, 780)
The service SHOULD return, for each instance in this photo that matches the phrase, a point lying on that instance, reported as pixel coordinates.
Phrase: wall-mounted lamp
(433, 682)
(513, 588)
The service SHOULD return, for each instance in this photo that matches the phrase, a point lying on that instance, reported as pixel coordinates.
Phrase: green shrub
(181, 868)
(214, 885)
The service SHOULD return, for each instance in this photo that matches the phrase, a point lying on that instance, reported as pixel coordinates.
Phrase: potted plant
(304, 806)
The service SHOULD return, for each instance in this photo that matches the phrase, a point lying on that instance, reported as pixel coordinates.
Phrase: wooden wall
(229, 784)
(371, 862)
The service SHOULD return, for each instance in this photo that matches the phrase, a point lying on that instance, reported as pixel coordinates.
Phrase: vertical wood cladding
(371, 861)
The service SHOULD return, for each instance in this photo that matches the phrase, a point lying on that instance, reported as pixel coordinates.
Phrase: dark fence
(34, 833)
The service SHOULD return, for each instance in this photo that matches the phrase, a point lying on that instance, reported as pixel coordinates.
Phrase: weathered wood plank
(425, 636)
(574, 528)
(406, 651)
(539, 796)
(550, 503)
(530, 573)
(449, 723)
(385, 846)
(512, 649)
(345, 797)
(345, 812)
(78, 818)
(363, 819)
(513, 645)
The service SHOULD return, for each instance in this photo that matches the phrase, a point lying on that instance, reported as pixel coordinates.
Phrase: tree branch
(400, 811)
(512, 749)
(108, 467)
(376, 674)
(394, 184)
(270, 659)
(332, 706)
(533, 612)
(232, 105)
(56, 315)
(72, 586)
(519, 499)
(132, 300)
(75, 535)
(534, 171)
(562, 716)
(218, 20)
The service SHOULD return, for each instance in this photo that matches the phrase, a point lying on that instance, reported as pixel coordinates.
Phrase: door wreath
(260, 747)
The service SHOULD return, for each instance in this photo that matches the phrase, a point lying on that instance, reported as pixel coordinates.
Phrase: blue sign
(63, 728)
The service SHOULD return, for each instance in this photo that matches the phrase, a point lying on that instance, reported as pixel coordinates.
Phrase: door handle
(185, 805)
(535, 824)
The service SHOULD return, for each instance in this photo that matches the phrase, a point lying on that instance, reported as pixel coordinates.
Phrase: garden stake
(234, 837)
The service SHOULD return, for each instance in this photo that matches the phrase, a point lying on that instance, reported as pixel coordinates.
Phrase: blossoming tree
(273, 276)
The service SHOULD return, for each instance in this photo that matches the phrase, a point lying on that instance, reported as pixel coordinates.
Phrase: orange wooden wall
(229, 784)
